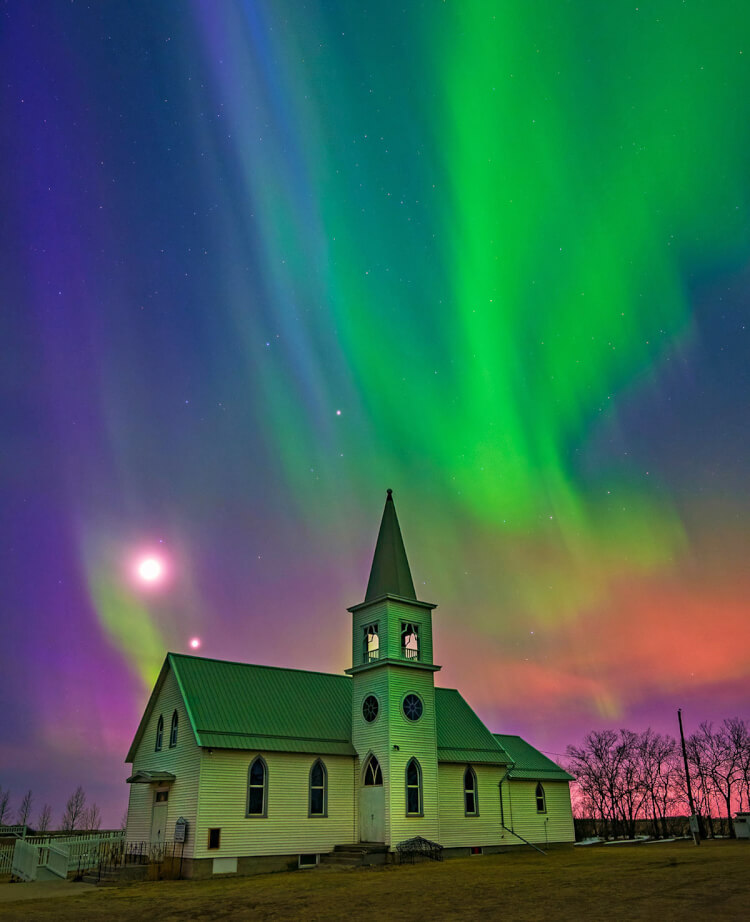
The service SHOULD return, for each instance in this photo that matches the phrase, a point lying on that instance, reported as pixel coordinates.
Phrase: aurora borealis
(262, 260)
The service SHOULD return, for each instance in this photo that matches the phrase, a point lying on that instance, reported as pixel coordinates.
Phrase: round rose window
(413, 707)
(370, 708)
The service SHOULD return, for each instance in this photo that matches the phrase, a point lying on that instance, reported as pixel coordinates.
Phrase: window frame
(159, 734)
(324, 786)
(418, 786)
(264, 814)
(371, 629)
(412, 720)
(173, 729)
(368, 762)
(212, 848)
(541, 795)
(377, 713)
(469, 770)
(411, 629)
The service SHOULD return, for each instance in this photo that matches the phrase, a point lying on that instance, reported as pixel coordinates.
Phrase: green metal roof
(529, 762)
(390, 571)
(239, 706)
(461, 735)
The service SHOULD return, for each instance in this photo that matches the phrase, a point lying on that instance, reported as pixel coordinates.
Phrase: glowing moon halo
(150, 569)
(195, 643)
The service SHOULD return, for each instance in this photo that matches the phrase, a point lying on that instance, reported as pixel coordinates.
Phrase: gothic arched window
(373, 774)
(370, 643)
(413, 788)
(257, 788)
(318, 790)
(159, 734)
(173, 731)
(541, 800)
(471, 802)
(409, 640)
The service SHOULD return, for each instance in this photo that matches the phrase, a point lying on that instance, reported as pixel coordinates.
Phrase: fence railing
(13, 830)
(134, 854)
(6, 859)
(25, 860)
(54, 857)
(72, 837)
(409, 653)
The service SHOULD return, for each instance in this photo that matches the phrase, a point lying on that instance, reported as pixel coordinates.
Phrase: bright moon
(195, 643)
(150, 569)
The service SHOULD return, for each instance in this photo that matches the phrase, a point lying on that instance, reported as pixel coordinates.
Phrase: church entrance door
(159, 817)
(372, 803)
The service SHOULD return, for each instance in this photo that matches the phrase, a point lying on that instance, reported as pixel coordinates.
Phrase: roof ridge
(230, 662)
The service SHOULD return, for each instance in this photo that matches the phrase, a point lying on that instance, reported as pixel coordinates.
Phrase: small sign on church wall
(180, 830)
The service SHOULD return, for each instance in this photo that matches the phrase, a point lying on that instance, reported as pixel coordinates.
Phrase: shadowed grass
(664, 882)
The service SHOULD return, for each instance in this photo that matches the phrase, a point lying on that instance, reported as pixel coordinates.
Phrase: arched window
(173, 731)
(413, 788)
(257, 788)
(409, 640)
(541, 800)
(471, 801)
(318, 790)
(373, 774)
(371, 643)
(159, 734)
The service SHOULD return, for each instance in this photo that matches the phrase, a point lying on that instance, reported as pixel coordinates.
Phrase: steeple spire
(390, 569)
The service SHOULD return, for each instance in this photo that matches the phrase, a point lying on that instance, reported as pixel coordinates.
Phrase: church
(268, 768)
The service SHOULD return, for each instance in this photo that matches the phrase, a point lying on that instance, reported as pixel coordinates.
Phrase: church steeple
(390, 573)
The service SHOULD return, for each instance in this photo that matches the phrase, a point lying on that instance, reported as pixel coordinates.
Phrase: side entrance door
(159, 817)
(372, 803)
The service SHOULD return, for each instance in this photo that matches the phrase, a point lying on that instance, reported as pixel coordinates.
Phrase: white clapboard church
(271, 766)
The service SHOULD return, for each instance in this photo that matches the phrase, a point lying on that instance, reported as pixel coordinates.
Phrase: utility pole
(694, 819)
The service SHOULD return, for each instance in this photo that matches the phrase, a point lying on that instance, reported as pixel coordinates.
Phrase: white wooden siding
(183, 761)
(556, 825)
(457, 829)
(371, 737)
(287, 829)
(414, 739)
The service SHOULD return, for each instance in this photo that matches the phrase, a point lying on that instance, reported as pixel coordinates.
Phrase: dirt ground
(673, 881)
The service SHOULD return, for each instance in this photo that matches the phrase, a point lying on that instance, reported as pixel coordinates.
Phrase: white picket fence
(60, 855)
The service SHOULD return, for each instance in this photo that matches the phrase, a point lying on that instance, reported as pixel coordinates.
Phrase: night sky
(261, 260)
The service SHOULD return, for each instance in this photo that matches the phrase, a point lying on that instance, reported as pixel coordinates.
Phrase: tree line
(628, 781)
(77, 816)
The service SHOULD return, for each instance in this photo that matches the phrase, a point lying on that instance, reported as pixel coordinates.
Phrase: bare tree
(722, 764)
(124, 821)
(632, 787)
(4, 806)
(738, 734)
(91, 818)
(45, 815)
(24, 811)
(597, 768)
(660, 772)
(74, 809)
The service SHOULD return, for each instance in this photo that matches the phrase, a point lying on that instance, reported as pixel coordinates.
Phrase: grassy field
(662, 882)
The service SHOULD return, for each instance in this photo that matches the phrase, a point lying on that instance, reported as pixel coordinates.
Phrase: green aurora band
(493, 206)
